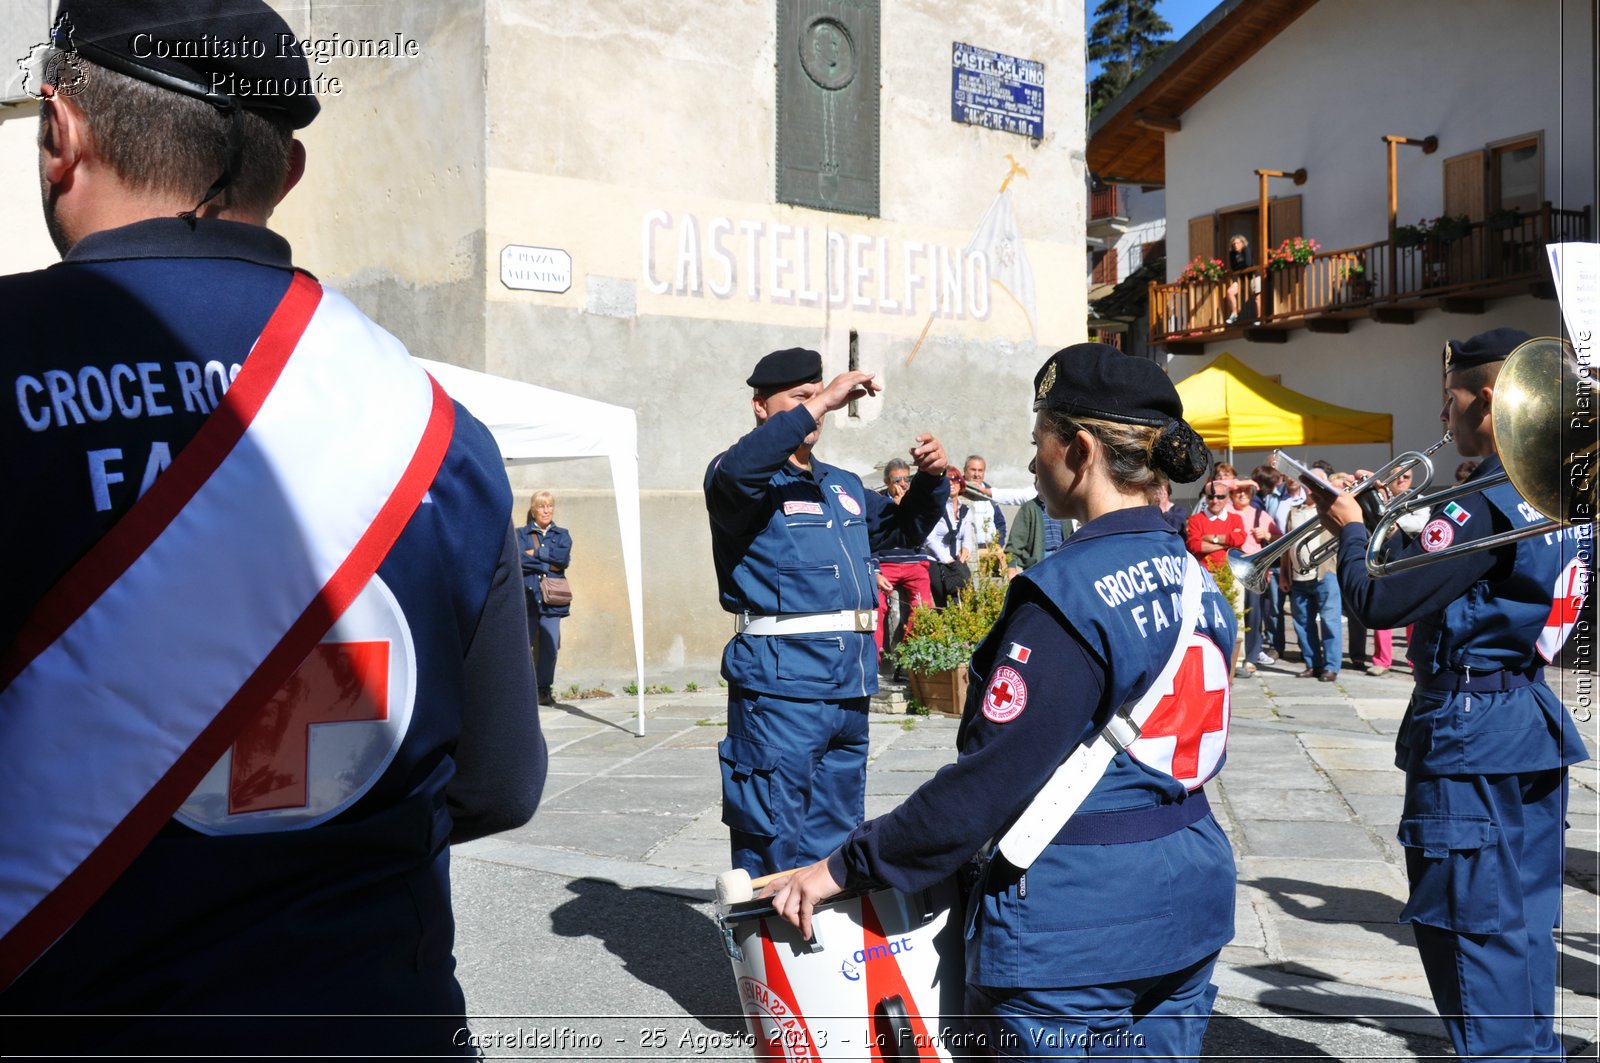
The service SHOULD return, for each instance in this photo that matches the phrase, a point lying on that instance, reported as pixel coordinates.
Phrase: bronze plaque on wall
(828, 104)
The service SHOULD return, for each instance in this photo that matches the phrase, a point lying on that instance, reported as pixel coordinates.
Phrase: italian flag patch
(1456, 513)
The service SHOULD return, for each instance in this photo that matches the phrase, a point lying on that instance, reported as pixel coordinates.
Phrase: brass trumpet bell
(1544, 428)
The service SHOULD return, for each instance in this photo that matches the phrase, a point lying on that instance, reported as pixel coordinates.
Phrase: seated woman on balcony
(1239, 259)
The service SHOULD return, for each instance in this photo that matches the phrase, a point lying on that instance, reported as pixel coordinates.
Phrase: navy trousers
(794, 778)
(1162, 1017)
(1484, 855)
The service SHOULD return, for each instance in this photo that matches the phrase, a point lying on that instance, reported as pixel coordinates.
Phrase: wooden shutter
(1283, 221)
(1464, 184)
(1105, 267)
(1202, 237)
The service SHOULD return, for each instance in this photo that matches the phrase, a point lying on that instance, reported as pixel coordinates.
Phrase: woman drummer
(1107, 940)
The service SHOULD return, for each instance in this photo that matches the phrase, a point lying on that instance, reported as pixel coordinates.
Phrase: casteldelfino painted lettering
(685, 256)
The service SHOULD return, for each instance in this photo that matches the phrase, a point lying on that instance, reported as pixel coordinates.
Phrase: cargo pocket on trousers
(1454, 867)
(750, 788)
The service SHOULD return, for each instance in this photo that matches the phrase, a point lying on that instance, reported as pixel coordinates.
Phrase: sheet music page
(1287, 465)
(1576, 269)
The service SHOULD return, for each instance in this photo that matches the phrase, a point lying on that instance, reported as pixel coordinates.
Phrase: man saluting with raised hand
(792, 539)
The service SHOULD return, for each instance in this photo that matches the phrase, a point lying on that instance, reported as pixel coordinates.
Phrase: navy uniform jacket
(551, 558)
(351, 915)
(785, 540)
(1480, 612)
(1087, 911)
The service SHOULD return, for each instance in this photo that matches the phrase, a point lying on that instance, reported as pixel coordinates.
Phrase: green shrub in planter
(938, 640)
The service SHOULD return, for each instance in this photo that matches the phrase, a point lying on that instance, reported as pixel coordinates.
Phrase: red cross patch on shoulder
(1439, 534)
(1006, 697)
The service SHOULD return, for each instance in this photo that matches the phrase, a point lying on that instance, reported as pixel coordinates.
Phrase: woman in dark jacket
(546, 551)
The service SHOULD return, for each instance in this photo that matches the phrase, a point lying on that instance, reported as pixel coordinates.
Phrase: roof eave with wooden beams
(1127, 139)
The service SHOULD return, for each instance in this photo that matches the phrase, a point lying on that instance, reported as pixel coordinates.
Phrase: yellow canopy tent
(1234, 407)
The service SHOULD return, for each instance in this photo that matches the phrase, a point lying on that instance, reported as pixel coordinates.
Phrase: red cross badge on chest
(1187, 733)
(1006, 696)
(326, 737)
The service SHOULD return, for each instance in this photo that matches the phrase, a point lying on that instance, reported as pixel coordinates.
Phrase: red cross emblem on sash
(342, 682)
(1571, 588)
(1187, 733)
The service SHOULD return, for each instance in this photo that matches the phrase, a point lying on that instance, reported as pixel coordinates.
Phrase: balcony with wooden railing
(1108, 214)
(1383, 281)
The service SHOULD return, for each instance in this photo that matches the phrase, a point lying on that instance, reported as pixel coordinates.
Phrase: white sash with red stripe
(140, 667)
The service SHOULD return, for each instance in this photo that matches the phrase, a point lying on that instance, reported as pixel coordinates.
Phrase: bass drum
(881, 970)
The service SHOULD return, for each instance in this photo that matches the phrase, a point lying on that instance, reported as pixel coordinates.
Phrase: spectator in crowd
(989, 524)
(1313, 598)
(546, 551)
(950, 546)
(1173, 513)
(1273, 493)
(1215, 530)
(902, 570)
(1035, 535)
(1239, 260)
(1465, 470)
(1259, 530)
(1410, 524)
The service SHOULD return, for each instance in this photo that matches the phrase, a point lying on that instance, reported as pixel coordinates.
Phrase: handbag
(555, 590)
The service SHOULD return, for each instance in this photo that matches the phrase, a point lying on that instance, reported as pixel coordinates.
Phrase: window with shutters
(1463, 185)
(1202, 238)
(1516, 173)
(1105, 267)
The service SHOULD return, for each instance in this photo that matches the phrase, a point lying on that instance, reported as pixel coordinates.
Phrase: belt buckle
(866, 621)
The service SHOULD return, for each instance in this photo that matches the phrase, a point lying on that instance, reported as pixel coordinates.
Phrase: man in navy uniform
(264, 648)
(792, 539)
(1485, 744)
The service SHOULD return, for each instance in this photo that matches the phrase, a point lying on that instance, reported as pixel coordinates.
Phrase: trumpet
(1251, 570)
(1540, 405)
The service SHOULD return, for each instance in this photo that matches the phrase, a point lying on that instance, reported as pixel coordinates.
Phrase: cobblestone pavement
(601, 909)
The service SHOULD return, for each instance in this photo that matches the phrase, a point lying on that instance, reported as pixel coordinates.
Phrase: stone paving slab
(1277, 805)
(1378, 778)
(905, 759)
(1327, 890)
(1333, 759)
(1351, 740)
(615, 835)
(646, 795)
(1310, 840)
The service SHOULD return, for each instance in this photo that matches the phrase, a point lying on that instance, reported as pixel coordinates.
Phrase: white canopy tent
(532, 424)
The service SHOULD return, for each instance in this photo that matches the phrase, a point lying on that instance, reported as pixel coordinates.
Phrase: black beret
(1096, 381)
(786, 368)
(226, 52)
(1495, 345)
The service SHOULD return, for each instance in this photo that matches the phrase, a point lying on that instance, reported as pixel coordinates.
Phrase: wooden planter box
(941, 692)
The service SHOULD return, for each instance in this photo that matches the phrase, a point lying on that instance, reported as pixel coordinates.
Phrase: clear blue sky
(1180, 14)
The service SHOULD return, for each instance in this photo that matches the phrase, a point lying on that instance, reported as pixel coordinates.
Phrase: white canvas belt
(1065, 790)
(860, 621)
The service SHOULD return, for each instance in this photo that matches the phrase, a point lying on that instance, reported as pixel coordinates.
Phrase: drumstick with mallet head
(736, 886)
